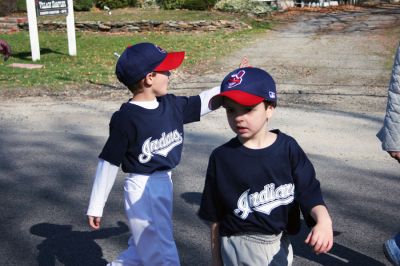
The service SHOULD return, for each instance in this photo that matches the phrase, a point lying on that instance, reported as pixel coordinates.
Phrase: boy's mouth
(241, 129)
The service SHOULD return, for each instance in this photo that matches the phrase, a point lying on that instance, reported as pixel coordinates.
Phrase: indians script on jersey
(161, 146)
(264, 201)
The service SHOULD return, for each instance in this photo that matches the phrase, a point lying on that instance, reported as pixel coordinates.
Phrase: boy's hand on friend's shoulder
(244, 62)
(94, 222)
(320, 237)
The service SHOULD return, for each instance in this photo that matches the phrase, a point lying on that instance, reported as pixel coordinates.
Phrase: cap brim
(240, 97)
(171, 61)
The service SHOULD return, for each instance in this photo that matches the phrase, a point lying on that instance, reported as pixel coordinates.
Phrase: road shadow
(192, 197)
(72, 248)
(338, 255)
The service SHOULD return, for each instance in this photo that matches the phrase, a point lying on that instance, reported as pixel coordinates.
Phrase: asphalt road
(49, 148)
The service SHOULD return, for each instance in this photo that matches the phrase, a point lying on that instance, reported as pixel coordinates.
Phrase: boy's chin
(243, 137)
(161, 94)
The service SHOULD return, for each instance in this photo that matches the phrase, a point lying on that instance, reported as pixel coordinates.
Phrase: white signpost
(71, 29)
(33, 30)
(50, 7)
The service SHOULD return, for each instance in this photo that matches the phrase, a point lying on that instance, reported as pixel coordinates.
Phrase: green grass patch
(153, 14)
(95, 60)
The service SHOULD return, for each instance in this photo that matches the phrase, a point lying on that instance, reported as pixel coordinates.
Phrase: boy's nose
(239, 118)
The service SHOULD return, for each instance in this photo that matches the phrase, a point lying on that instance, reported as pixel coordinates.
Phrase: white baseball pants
(148, 206)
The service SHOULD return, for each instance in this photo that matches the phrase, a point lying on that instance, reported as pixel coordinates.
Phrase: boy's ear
(270, 111)
(148, 80)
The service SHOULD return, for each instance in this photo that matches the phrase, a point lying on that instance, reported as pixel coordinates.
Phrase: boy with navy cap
(146, 137)
(257, 181)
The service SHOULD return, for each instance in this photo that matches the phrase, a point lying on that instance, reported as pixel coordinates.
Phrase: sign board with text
(51, 7)
(55, 7)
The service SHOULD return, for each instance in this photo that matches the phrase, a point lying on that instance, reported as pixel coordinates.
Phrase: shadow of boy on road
(72, 247)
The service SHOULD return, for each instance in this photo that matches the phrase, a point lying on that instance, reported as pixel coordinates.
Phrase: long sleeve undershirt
(103, 182)
(106, 172)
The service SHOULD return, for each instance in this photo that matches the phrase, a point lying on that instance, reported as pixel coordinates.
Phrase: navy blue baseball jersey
(149, 140)
(254, 190)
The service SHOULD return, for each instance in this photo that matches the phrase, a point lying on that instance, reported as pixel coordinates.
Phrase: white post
(71, 29)
(33, 30)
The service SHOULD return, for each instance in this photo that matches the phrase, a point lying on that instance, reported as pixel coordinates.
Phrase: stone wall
(10, 24)
(142, 26)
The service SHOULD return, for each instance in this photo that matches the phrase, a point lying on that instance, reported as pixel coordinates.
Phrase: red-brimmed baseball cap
(247, 86)
(143, 58)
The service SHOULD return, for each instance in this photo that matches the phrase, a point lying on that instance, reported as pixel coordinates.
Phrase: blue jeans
(392, 249)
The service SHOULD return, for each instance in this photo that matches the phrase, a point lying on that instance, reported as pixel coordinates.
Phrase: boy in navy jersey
(146, 137)
(256, 182)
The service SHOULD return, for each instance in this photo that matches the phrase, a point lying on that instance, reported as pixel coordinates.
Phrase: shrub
(199, 4)
(186, 4)
(243, 6)
(132, 2)
(21, 5)
(171, 4)
(147, 3)
(83, 5)
(113, 4)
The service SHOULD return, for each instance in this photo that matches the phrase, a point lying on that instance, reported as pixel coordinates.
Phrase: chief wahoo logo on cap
(236, 79)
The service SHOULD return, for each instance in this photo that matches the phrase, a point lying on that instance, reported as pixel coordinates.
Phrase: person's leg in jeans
(392, 249)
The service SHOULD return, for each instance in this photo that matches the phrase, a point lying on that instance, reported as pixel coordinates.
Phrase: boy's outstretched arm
(320, 237)
(205, 97)
(215, 245)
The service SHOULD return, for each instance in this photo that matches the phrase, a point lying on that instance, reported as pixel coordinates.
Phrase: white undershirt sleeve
(205, 97)
(102, 184)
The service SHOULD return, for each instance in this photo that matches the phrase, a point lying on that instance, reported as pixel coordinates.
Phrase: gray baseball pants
(256, 250)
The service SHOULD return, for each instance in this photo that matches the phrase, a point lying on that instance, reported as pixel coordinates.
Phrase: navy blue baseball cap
(143, 58)
(247, 86)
